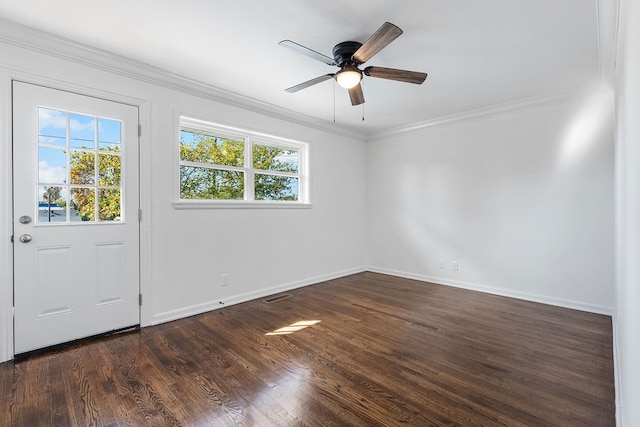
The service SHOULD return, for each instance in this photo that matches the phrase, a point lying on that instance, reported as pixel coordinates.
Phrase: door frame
(7, 76)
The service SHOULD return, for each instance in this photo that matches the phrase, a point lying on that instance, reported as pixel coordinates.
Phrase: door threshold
(64, 345)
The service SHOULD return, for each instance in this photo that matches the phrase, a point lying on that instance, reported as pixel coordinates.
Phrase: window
(79, 168)
(221, 164)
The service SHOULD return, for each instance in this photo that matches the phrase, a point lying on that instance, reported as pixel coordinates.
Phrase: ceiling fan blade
(393, 74)
(308, 83)
(378, 40)
(306, 51)
(356, 95)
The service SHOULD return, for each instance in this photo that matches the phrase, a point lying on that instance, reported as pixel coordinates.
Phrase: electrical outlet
(225, 279)
(454, 265)
(441, 263)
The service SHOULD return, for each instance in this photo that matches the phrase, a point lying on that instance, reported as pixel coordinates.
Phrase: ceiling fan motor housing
(344, 52)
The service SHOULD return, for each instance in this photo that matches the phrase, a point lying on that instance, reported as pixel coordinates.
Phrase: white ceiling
(478, 54)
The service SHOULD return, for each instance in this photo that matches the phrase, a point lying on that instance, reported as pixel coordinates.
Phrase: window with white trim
(219, 163)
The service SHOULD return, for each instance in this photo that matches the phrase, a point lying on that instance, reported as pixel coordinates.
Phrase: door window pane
(52, 166)
(109, 134)
(52, 204)
(52, 127)
(82, 204)
(82, 130)
(82, 167)
(108, 170)
(109, 204)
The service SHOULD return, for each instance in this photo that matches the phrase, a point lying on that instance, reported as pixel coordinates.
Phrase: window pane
(275, 159)
(109, 204)
(204, 148)
(108, 170)
(82, 204)
(52, 166)
(52, 127)
(274, 187)
(205, 183)
(82, 131)
(82, 169)
(52, 204)
(109, 134)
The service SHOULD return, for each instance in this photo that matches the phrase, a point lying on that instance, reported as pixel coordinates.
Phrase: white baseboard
(576, 305)
(168, 316)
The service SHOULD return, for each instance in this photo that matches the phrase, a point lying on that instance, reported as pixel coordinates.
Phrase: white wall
(522, 200)
(627, 313)
(184, 252)
(259, 248)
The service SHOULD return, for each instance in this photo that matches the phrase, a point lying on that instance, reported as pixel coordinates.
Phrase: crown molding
(497, 109)
(60, 47)
(70, 50)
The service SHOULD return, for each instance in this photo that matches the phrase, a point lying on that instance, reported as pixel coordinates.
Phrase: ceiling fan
(349, 56)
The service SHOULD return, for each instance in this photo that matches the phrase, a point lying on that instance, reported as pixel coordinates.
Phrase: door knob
(24, 219)
(25, 238)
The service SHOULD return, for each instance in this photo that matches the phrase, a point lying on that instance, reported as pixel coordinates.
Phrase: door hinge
(139, 130)
(140, 299)
(12, 239)
(139, 215)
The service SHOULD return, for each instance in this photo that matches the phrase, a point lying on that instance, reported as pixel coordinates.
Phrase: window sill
(238, 204)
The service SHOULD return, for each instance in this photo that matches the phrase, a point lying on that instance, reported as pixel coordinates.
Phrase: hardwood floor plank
(386, 351)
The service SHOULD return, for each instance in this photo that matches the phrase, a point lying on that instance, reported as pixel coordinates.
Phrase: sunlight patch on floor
(294, 327)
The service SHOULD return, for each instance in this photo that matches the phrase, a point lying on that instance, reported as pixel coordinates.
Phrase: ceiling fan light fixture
(349, 77)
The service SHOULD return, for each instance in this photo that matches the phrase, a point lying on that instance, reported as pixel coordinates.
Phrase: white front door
(75, 213)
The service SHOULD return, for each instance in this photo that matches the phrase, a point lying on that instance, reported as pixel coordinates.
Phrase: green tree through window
(198, 182)
(82, 172)
(213, 167)
(274, 187)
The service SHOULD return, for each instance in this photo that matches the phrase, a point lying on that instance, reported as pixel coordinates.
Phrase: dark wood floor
(387, 351)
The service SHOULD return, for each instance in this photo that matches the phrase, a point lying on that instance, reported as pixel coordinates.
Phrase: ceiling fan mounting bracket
(344, 52)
